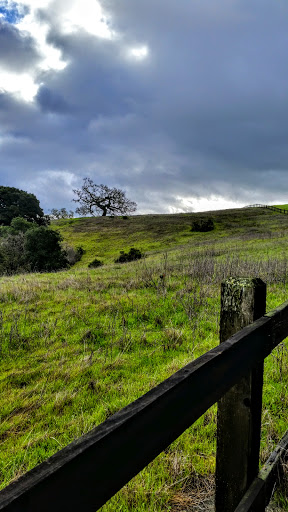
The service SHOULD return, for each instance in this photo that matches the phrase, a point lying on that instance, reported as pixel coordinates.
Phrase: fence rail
(90, 470)
(274, 208)
(258, 495)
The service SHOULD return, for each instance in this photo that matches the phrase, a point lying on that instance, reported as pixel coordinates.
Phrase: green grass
(104, 237)
(282, 206)
(77, 346)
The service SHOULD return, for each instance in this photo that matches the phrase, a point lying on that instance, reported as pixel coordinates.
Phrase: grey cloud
(18, 51)
(97, 79)
(205, 114)
(51, 101)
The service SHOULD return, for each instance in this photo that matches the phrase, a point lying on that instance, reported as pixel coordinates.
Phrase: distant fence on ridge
(274, 208)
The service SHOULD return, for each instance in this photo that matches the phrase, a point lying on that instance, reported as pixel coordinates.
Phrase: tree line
(26, 241)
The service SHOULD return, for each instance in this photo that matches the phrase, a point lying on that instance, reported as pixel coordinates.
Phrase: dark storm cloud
(204, 114)
(51, 101)
(18, 52)
(99, 80)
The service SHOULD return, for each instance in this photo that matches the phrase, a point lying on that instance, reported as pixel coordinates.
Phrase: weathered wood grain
(243, 301)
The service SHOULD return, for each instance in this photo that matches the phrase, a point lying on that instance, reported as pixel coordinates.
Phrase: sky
(183, 105)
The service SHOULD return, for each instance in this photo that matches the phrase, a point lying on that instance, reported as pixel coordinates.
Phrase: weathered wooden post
(243, 301)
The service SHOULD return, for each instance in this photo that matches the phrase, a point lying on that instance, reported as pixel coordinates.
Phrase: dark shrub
(80, 251)
(132, 255)
(43, 250)
(12, 254)
(202, 225)
(37, 249)
(74, 255)
(19, 225)
(95, 263)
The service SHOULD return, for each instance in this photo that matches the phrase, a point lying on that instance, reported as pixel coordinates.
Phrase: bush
(95, 263)
(202, 225)
(24, 248)
(18, 225)
(80, 251)
(74, 255)
(132, 255)
(43, 250)
(12, 254)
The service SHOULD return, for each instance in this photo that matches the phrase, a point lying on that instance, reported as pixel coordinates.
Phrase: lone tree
(95, 199)
(18, 203)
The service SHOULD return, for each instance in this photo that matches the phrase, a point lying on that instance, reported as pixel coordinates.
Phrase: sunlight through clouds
(204, 204)
(19, 84)
(71, 17)
(86, 15)
(51, 57)
(139, 53)
(25, 20)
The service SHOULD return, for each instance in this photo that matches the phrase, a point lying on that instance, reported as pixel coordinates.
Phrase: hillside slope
(78, 345)
(104, 237)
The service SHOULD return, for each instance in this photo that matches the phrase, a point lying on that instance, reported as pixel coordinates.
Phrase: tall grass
(77, 346)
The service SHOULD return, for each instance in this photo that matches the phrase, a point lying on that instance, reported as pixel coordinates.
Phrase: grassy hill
(104, 237)
(282, 206)
(76, 346)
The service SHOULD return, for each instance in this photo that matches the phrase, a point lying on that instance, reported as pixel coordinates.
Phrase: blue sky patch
(11, 12)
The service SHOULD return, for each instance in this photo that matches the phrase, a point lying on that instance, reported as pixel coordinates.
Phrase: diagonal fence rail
(258, 494)
(90, 470)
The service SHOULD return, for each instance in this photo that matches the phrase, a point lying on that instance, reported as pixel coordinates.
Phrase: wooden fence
(90, 470)
(275, 208)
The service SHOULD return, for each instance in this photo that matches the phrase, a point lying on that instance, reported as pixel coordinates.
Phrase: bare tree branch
(95, 199)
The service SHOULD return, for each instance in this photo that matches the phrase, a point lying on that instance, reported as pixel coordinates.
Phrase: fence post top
(243, 282)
